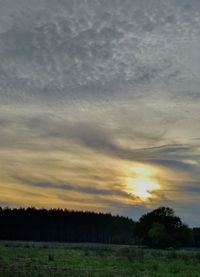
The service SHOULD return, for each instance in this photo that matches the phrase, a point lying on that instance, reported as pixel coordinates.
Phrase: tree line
(159, 228)
(64, 226)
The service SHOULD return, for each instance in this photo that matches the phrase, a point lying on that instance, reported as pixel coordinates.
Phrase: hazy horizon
(99, 105)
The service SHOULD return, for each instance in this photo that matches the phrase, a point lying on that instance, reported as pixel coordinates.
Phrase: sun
(141, 187)
(142, 181)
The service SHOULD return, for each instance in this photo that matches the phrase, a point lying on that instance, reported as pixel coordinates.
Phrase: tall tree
(162, 228)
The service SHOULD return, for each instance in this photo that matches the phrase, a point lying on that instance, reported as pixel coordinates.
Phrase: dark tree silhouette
(162, 228)
(196, 236)
(157, 235)
(64, 226)
(159, 228)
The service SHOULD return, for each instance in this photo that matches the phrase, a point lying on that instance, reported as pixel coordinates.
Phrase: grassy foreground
(37, 259)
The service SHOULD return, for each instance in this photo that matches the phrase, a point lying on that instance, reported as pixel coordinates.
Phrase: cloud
(90, 86)
(90, 50)
(175, 164)
(98, 137)
(77, 188)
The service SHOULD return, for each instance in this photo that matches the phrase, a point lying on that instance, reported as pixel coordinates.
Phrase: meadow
(54, 259)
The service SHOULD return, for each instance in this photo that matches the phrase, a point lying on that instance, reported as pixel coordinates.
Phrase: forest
(64, 226)
(159, 228)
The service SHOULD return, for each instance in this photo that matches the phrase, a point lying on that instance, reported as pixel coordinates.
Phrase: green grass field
(38, 259)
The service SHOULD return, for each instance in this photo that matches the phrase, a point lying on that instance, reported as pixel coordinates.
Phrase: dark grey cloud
(76, 188)
(175, 164)
(190, 186)
(100, 139)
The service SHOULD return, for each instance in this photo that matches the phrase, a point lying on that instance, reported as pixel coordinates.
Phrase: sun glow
(142, 181)
(141, 188)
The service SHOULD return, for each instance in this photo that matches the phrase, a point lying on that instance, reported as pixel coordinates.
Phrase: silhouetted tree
(159, 228)
(196, 237)
(162, 228)
(157, 235)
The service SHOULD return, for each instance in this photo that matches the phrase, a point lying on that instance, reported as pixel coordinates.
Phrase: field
(45, 259)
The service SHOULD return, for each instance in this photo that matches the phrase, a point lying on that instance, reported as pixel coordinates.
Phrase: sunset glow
(141, 188)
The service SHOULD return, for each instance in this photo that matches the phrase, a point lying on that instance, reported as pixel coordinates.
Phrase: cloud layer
(90, 90)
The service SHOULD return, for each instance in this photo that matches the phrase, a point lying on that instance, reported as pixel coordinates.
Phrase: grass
(37, 259)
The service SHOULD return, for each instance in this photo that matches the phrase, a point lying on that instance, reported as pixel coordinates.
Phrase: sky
(100, 105)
